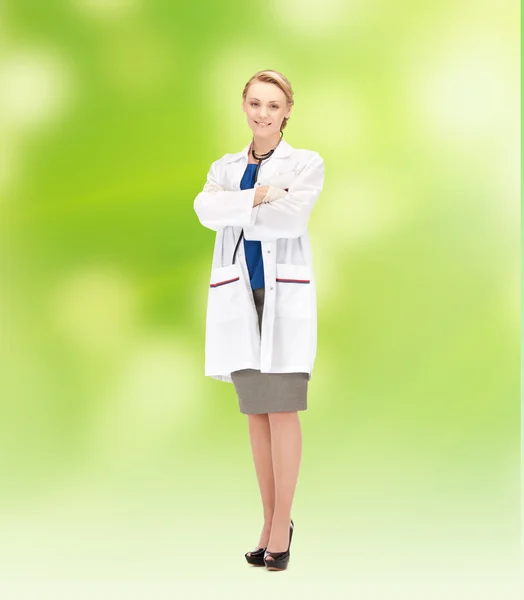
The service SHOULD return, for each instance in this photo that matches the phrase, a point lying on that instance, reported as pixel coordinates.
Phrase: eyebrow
(259, 100)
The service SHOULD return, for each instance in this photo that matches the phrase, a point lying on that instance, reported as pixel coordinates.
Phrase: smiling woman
(268, 107)
(261, 325)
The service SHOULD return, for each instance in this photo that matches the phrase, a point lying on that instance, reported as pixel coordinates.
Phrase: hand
(274, 193)
(260, 193)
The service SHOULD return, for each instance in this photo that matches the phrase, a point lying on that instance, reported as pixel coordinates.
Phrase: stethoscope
(260, 158)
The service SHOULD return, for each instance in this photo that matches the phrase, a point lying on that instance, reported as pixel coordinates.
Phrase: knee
(282, 417)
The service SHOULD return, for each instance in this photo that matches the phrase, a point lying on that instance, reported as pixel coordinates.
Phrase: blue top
(253, 248)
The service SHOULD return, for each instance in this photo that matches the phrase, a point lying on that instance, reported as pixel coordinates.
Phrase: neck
(265, 144)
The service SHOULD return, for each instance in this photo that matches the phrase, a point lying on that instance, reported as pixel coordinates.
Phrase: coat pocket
(293, 287)
(227, 296)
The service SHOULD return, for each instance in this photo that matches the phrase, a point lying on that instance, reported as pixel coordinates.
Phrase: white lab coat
(288, 340)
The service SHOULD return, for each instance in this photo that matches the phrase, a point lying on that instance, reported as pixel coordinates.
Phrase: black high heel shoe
(256, 556)
(280, 559)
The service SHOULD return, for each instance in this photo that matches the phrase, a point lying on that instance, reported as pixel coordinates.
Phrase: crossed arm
(284, 214)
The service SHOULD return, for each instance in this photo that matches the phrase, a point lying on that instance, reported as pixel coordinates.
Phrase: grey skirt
(260, 393)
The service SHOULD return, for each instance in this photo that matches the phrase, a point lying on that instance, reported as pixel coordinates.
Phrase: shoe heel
(280, 559)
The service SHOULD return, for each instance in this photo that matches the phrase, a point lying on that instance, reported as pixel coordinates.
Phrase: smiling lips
(262, 124)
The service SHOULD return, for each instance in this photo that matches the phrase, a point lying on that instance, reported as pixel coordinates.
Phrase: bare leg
(286, 448)
(260, 436)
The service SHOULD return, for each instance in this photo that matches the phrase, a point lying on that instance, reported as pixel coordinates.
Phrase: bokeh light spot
(95, 309)
(35, 85)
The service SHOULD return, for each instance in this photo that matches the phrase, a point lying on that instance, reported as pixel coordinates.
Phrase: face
(265, 107)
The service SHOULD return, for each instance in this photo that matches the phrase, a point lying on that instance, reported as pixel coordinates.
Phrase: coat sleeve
(217, 208)
(288, 217)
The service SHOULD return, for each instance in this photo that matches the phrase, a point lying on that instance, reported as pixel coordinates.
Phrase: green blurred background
(124, 472)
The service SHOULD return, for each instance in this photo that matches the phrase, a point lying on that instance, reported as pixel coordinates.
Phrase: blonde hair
(270, 76)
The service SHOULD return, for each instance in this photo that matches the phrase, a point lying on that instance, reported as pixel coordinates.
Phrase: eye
(275, 106)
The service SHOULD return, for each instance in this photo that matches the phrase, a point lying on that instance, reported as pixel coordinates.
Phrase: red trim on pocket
(224, 282)
(293, 280)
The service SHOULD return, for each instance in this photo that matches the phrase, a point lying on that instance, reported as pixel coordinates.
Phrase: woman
(261, 327)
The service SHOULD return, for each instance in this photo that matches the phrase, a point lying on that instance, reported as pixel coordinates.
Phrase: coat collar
(282, 150)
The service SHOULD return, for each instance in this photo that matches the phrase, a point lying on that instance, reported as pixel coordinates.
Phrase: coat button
(271, 288)
(269, 251)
